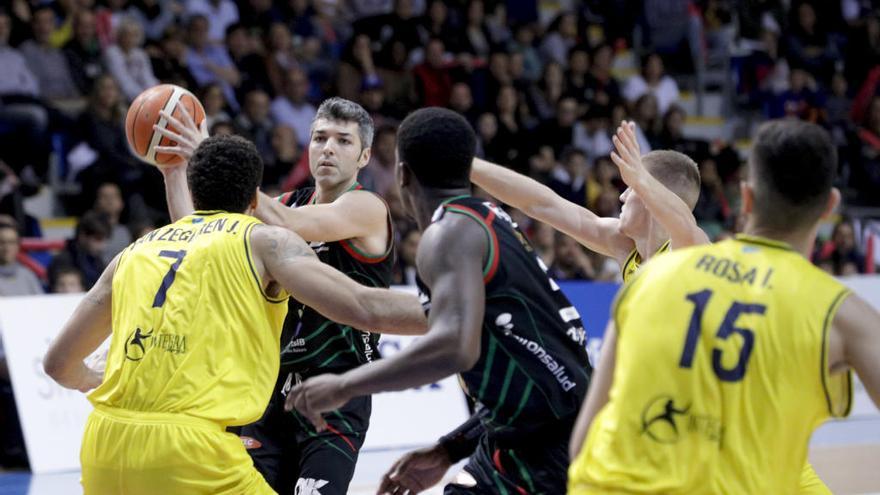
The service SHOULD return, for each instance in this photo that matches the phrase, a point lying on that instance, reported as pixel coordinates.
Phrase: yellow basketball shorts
(136, 453)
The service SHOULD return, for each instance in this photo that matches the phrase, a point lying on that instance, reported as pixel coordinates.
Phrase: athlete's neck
(801, 240)
(648, 245)
(430, 200)
(331, 194)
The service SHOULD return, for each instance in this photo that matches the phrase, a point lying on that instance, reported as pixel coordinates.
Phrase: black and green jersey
(533, 368)
(309, 340)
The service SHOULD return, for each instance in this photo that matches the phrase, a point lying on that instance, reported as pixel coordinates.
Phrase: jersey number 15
(726, 330)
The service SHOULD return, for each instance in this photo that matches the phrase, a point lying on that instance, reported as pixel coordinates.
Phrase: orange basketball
(144, 113)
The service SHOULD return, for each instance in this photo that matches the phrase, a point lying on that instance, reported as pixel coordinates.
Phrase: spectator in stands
(66, 279)
(808, 44)
(108, 16)
(865, 156)
(280, 56)
(578, 68)
(128, 62)
(215, 105)
(379, 174)
(602, 90)
(255, 123)
(569, 177)
(432, 77)
(109, 202)
(436, 23)
(209, 63)
(155, 16)
(839, 255)
(250, 65)
(544, 95)
(15, 278)
(713, 208)
(292, 108)
(509, 142)
(799, 101)
(85, 250)
(562, 36)
(524, 44)
(591, 134)
(83, 52)
(646, 115)
(559, 132)
(286, 154)
(672, 136)
(400, 25)
(652, 80)
(170, 59)
(461, 100)
(219, 13)
(570, 261)
(48, 63)
(356, 68)
(258, 15)
(477, 41)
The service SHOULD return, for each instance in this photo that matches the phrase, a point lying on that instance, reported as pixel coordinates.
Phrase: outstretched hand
(627, 154)
(317, 395)
(187, 137)
(416, 471)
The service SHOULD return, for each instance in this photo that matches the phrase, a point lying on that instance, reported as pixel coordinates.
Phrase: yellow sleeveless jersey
(721, 374)
(634, 261)
(193, 330)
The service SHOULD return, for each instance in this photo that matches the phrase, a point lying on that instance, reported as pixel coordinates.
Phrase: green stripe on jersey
(488, 230)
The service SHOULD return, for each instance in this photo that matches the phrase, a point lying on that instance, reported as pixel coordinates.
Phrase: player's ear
(404, 174)
(747, 194)
(364, 159)
(833, 201)
(255, 200)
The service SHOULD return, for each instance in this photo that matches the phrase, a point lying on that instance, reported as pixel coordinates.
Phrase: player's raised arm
(855, 342)
(669, 209)
(353, 215)
(287, 260)
(86, 329)
(186, 140)
(541, 203)
(450, 260)
(597, 396)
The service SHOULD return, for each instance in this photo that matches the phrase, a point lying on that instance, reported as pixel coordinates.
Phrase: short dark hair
(438, 145)
(792, 168)
(224, 173)
(677, 172)
(342, 110)
(94, 224)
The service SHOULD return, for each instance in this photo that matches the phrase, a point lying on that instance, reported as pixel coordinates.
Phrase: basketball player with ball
(351, 230)
(194, 311)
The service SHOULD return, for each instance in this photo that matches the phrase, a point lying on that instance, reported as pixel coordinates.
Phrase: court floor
(845, 454)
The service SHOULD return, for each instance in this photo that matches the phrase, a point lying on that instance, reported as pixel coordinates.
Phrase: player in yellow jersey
(656, 215)
(196, 309)
(721, 360)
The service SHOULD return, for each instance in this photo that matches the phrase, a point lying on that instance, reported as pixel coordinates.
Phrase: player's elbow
(54, 365)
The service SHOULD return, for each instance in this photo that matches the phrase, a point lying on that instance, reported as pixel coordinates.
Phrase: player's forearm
(393, 312)
(670, 211)
(512, 188)
(427, 360)
(177, 192)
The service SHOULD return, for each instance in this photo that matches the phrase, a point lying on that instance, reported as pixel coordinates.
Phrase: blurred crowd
(544, 84)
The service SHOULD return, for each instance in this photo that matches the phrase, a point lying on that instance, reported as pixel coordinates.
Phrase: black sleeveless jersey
(310, 341)
(533, 368)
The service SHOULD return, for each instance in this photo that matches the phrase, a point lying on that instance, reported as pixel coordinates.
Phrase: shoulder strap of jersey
(359, 254)
(491, 265)
(249, 256)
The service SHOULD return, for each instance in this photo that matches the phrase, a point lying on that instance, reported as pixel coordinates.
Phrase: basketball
(144, 113)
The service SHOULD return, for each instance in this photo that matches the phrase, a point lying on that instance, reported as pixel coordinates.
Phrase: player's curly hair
(224, 174)
(438, 145)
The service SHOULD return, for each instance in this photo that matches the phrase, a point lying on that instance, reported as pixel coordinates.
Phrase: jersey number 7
(159, 300)
(728, 327)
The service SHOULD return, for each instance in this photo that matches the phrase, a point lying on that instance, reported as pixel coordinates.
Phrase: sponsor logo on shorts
(309, 486)
(250, 443)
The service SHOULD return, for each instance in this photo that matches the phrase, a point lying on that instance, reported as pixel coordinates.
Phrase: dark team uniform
(532, 374)
(284, 445)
